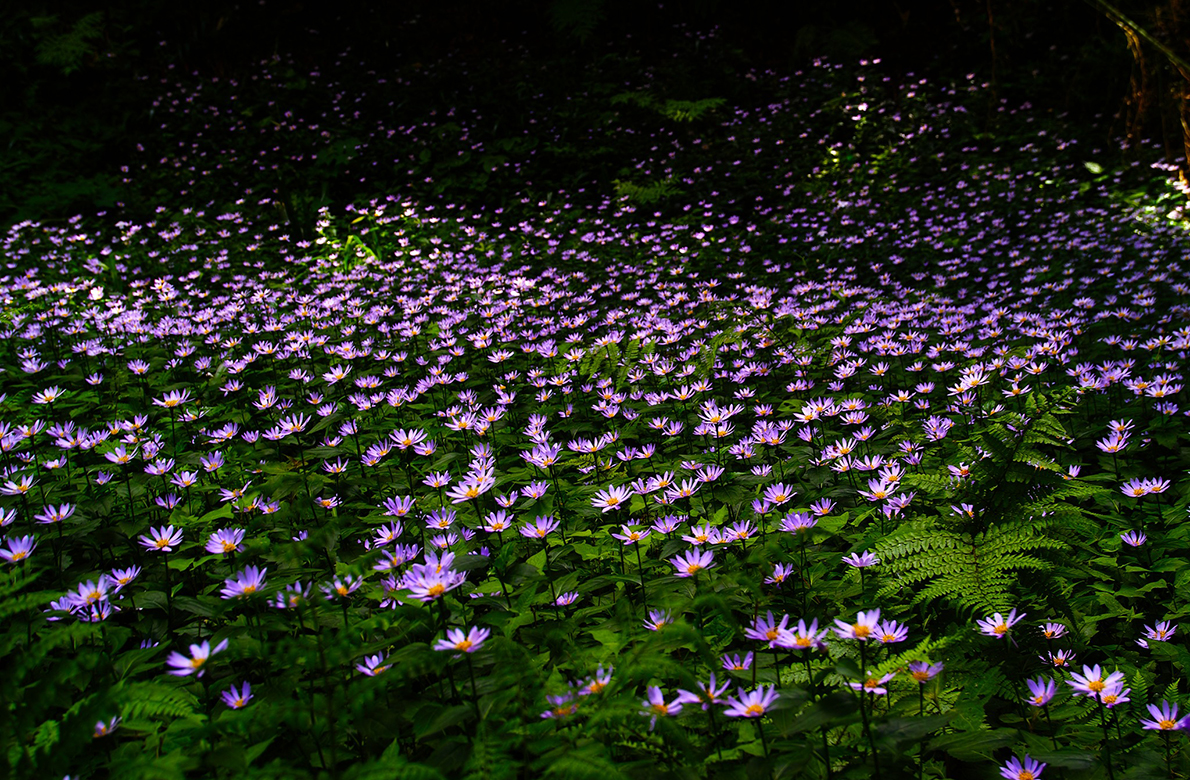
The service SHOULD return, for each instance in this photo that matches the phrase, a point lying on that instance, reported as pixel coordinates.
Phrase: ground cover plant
(811, 430)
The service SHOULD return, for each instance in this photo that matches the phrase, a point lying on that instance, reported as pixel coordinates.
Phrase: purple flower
(692, 561)
(751, 704)
(658, 619)
(54, 514)
(225, 541)
(1134, 538)
(708, 693)
(18, 548)
(655, 706)
(237, 699)
(1041, 691)
(164, 539)
(923, 671)
(862, 629)
(734, 663)
(873, 683)
(1092, 682)
(766, 629)
(1030, 769)
(247, 582)
(199, 655)
(1165, 718)
(466, 642)
(373, 665)
(540, 528)
(861, 560)
(997, 625)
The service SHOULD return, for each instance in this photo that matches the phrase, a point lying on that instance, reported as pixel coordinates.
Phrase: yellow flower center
(1166, 725)
(436, 590)
(861, 631)
(1000, 629)
(754, 711)
(465, 645)
(1096, 685)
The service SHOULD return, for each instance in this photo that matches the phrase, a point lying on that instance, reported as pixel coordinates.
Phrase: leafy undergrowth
(842, 480)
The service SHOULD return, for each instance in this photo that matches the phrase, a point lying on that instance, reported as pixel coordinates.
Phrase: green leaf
(974, 746)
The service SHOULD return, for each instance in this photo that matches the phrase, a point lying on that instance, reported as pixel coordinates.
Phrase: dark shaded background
(79, 75)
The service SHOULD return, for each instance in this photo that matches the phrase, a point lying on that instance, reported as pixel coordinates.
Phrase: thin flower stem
(644, 594)
(1106, 739)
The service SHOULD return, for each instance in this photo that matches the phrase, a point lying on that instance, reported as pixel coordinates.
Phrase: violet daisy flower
(1162, 632)
(628, 536)
(611, 499)
(766, 629)
(781, 572)
(1134, 538)
(798, 522)
(597, 682)
(655, 706)
(341, 587)
(18, 548)
(1092, 682)
(751, 704)
(292, 597)
(802, 637)
(708, 693)
(427, 583)
(247, 582)
(861, 629)
(225, 541)
(890, 631)
(467, 642)
(540, 528)
(668, 524)
(692, 561)
(163, 539)
(54, 514)
(562, 706)
(734, 663)
(997, 625)
(1165, 718)
(873, 683)
(237, 699)
(923, 671)
(658, 619)
(1114, 694)
(199, 655)
(1053, 630)
(1029, 769)
(373, 665)
(1042, 691)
